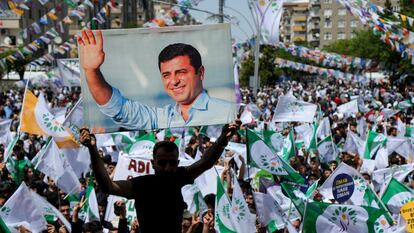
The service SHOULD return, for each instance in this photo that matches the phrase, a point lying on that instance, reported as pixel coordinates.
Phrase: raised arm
(92, 57)
(212, 154)
(119, 188)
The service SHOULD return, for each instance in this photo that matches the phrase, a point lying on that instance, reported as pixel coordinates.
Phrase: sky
(235, 8)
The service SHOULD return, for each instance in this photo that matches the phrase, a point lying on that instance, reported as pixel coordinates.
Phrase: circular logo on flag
(337, 218)
(343, 187)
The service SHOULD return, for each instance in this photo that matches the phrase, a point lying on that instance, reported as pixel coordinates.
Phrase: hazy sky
(240, 32)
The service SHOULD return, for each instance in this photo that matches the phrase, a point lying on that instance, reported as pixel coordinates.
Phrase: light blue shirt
(132, 114)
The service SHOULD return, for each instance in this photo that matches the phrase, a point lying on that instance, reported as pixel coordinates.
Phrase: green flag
(260, 155)
(143, 145)
(296, 196)
(322, 217)
(90, 210)
(396, 195)
(3, 227)
(374, 142)
(288, 150)
(222, 219)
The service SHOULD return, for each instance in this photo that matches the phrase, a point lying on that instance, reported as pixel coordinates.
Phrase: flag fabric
(297, 197)
(261, 156)
(274, 139)
(348, 108)
(288, 151)
(49, 212)
(354, 144)
(37, 119)
(68, 76)
(404, 105)
(322, 217)
(401, 146)
(244, 221)
(396, 195)
(5, 134)
(223, 211)
(90, 210)
(268, 211)
(325, 144)
(143, 145)
(399, 173)
(289, 109)
(350, 179)
(21, 209)
(375, 141)
(53, 163)
(3, 227)
(246, 117)
(269, 14)
(308, 134)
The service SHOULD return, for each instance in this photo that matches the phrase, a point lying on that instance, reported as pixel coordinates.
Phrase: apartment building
(329, 21)
(294, 21)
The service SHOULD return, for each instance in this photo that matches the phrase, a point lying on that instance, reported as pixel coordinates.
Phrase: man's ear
(201, 72)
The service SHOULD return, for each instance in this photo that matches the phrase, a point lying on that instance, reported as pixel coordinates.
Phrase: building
(294, 21)
(329, 21)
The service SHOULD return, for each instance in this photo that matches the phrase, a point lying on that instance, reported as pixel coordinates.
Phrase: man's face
(180, 79)
(65, 210)
(165, 162)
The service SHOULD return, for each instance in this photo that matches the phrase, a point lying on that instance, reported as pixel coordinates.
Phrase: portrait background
(131, 65)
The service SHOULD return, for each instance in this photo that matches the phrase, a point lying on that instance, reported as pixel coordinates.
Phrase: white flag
(21, 209)
(5, 134)
(68, 76)
(354, 144)
(53, 163)
(348, 108)
(269, 14)
(244, 221)
(290, 109)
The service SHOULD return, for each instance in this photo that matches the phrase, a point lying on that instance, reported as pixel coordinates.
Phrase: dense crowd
(380, 110)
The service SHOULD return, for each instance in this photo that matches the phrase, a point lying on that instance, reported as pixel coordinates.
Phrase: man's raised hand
(86, 138)
(91, 50)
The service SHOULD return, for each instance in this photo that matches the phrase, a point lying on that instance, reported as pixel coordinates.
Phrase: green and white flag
(223, 211)
(325, 144)
(50, 213)
(143, 145)
(308, 134)
(260, 155)
(123, 140)
(396, 195)
(354, 144)
(288, 150)
(21, 209)
(375, 141)
(404, 105)
(244, 221)
(296, 196)
(89, 211)
(3, 227)
(275, 139)
(346, 185)
(398, 172)
(290, 109)
(322, 217)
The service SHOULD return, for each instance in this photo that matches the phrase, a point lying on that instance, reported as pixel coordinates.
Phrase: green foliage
(268, 71)
(368, 45)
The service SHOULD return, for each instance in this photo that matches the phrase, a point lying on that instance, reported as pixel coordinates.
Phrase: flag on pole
(243, 220)
(348, 108)
(397, 172)
(322, 217)
(396, 195)
(288, 151)
(90, 210)
(37, 119)
(53, 163)
(261, 156)
(289, 109)
(308, 134)
(354, 144)
(223, 211)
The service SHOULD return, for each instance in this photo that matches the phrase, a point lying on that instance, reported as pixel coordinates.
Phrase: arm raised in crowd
(212, 154)
(92, 57)
(120, 188)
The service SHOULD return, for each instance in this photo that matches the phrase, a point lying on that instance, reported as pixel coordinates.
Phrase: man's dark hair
(168, 146)
(180, 49)
(64, 202)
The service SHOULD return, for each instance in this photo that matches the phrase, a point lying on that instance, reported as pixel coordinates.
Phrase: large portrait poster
(162, 78)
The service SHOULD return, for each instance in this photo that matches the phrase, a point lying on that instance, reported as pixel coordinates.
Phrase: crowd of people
(380, 110)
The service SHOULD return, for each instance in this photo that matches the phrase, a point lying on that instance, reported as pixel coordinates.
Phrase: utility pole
(221, 12)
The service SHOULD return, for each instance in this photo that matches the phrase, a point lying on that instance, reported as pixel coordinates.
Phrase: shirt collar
(201, 101)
